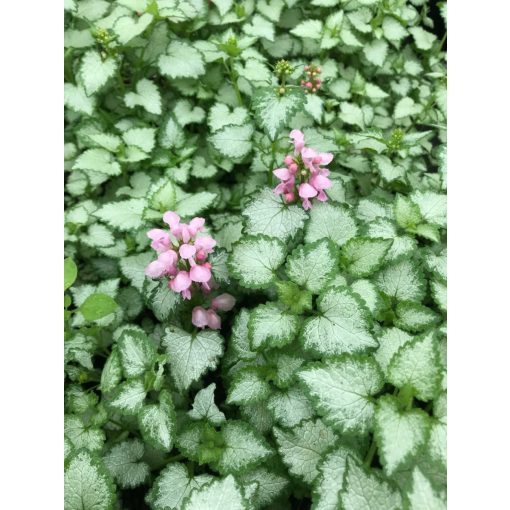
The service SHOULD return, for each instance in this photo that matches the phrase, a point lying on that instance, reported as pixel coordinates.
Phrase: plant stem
(271, 166)
(371, 452)
(233, 79)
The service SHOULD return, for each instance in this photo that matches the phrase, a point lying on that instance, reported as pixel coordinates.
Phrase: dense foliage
(255, 242)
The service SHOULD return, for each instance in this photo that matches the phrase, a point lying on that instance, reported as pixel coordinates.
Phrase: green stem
(233, 79)
(371, 452)
(271, 166)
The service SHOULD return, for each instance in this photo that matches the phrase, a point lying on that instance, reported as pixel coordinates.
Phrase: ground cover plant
(255, 254)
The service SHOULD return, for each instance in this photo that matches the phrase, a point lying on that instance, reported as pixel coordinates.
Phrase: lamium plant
(255, 255)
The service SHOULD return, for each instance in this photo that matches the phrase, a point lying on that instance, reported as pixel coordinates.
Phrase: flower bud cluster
(304, 174)
(312, 82)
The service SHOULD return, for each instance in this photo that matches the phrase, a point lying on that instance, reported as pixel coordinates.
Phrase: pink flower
(169, 261)
(181, 283)
(288, 160)
(200, 274)
(204, 246)
(224, 302)
(187, 251)
(155, 269)
(298, 140)
(199, 317)
(160, 239)
(306, 192)
(283, 174)
(213, 320)
(289, 197)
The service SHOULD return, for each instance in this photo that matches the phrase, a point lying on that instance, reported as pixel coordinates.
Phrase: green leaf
(393, 30)
(137, 353)
(292, 296)
(311, 28)
(223, 6)
(401, 281)
(274, 111)
(352, 114)
(123, 462)
(243, 448)
(220, 116)
(362, 256)
(181, 60)
(204, 407)
(414, 317)
(267, 214)
(127, 27)
(255, 259)
(87, 484)
(439, 293)
(422, 496)
(432, 206)
(82, 436)
(416, 365)
(95, 72)
(97, 306)
(224, 494)
(173, 486)
(233, 141)
(342, 391)
(70, 272)
(366, 490)
(303, 447)
(375, 52)
(271, 327)
(147, 96)
(248, 387)
(312, 265)
(342, 326)
(290, 407)
(191, 354)
(133, 268)
(406, 107)
(98, 160)
(399, 434)
(124, 215)
(259, 27)
(157, 423)
(76, 98)
(332, 222)
(129, 397)
(407, 213)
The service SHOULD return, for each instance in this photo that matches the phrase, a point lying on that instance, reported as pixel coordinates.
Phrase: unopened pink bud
(293, 168)
(199, 317)
(289, 197)
(213, 320)
(224, 302)
(308, 85)
(307, 67)
(288, 160)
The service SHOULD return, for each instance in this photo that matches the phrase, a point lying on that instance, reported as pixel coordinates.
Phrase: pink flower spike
(187, 251)
(298, 140)
(200, 274)
(171, 218)
(199, 317)
(155, 269)
(224, 302)
(205, 243)
(181, 282)
(282, 173)
(213, 320)
(160, 239)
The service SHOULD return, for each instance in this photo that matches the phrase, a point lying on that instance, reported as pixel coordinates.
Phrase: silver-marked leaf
(124, 215)
(224, 494)
(123, 462)
(273, 111)
(290, 407)
(137, 353)
(129, 397)
(157, 423)
(303, 447)
(81, 435)
(248, 387)
(267, 214)
(127, 27)
(422, 495)
(270, 485)
(402, 281)
(343, 324)
(95, 72)
(181, 60)
(87, 484)
(204, 407)
(255, 259)
(312, 265)
(415, 317)
(147, 96)
(390, 341)
(332, 222)
(362, 256)
(191, 354)
(342, 391)
(271, 327)
(233, 141)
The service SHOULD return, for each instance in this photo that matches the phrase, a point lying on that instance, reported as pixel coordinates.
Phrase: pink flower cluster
(312, 82)
(303, 173)
(182, 258)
